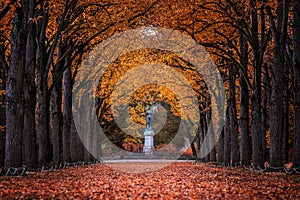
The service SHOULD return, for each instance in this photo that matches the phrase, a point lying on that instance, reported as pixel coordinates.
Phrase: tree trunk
(198, 134)
(207, 157)
(212, 154)
(235, 155)
(279, 30)
(256, 120)
(96, 141)
(43, 96)
(221, 148)
(256, 94)
(67, 113)
(276, 111)
(43, 122)
(56, 103)
(296, 65)
(211, 137)
(244, 105)
(2, 114)
(285, 133)
(227, 138)
(29, 89)
(88, 127)
(264, 116)
(201, 133)
(76, 146)
(204, 126)
(14, 88)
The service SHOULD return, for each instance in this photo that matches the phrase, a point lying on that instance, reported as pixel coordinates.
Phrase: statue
(148, 118)
(148, 134)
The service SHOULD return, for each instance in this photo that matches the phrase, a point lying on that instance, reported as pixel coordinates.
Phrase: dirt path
(176, 181)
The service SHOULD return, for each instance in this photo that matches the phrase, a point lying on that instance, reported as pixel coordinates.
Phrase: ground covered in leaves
(176, 181)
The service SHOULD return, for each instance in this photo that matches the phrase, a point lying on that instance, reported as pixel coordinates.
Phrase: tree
(29, 92)
(56, 104)
(227, 138)
(14, 87)
(67, 112)
(234, 143)
(279, 26)
(220, 158)
(245, 155)
(296, 65)
(2, 114)
(44, 156)
(258, 53)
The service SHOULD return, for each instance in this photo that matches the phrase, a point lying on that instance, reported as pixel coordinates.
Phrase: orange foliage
(175, 181)
(188, 152)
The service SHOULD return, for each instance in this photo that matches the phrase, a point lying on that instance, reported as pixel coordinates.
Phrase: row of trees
(258, 43)
(255, 44)
(42, 44)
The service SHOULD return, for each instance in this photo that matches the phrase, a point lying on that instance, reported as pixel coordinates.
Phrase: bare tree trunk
(296, 64)
(14, 88)
(29, 89)
(56, 103)
(244, 105)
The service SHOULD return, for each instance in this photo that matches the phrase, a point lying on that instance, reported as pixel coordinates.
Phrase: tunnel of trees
(254, 43)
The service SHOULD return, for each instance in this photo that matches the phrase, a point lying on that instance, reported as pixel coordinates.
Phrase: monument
(148, 134)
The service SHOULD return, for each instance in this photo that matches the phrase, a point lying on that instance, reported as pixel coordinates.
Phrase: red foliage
(133, 147)
(176, 181)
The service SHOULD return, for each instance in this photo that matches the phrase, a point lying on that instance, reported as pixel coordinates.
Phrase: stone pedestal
(148, 145)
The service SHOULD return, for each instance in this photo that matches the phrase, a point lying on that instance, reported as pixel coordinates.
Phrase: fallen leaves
(176, 181)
